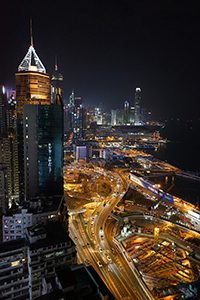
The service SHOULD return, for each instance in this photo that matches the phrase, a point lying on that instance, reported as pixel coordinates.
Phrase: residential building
(25, 262)
(77, 282)
(50, 249)
(3, 189)
(14, 279)
(38, 210)
(3, 106)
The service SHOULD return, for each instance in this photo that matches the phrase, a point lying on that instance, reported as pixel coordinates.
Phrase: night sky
(106, 49)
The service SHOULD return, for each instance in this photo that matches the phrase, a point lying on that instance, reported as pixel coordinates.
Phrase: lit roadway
(122, 279)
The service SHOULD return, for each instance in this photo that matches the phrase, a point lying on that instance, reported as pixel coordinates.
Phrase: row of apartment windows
(16, 221)
(52, 247)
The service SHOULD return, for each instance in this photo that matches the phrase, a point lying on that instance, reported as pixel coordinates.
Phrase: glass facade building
(43, 150)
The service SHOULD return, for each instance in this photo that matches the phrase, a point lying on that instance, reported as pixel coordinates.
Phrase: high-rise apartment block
(50, 249)
(9, 156)
(3, 188)
(24, 263)
(38, 210)
(3, 106)
(14, 277)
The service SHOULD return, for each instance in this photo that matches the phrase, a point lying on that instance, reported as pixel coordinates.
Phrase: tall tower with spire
(32, 82)
(32, 87)
(56, 83)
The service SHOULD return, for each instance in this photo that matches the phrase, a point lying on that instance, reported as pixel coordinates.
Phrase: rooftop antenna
(31, 32)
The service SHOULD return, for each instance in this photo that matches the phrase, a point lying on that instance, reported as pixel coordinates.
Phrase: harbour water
(182, 151)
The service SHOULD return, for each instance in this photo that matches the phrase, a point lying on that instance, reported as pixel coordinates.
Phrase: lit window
(26, 125)
(49, 255)
(18, 221)
(26, 118)
(59, 253)
(26, 136)
(15, 263)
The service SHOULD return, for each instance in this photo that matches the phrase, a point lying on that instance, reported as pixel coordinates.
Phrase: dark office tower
(144, 115)
(56, 84)
(137, 106)
(3, 106)
(32, 87)
(43, 149)
(76, 116)
(126, 113)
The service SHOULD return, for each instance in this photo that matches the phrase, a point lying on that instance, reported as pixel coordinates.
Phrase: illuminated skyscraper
(32, 87)
(56, 84)
(32, 82)
(3, 104)
(126, 113)
(137, 106)
(76, 116)
(113, 117)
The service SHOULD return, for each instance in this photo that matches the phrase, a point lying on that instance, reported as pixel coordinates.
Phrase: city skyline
(105, 50)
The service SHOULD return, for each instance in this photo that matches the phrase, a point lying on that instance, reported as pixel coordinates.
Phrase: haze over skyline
(106, 49)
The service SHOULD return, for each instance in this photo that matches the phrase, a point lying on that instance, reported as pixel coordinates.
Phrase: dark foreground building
(43, 149)
(25, 262)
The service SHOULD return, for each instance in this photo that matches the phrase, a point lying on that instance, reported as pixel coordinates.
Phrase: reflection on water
(186, 157)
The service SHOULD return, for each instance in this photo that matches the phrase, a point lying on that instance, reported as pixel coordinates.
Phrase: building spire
(31, 32)
(56, 63)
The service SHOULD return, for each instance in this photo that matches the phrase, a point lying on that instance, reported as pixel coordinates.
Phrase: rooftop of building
(12, 245)
(31, 62)
(54, 234)
(85, 285)
(66, 278)
(39, 204)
